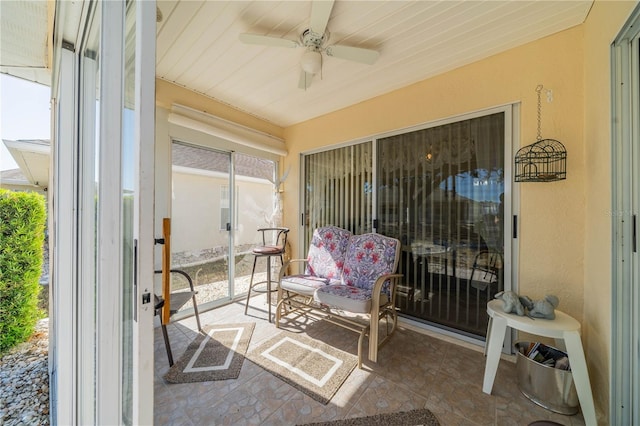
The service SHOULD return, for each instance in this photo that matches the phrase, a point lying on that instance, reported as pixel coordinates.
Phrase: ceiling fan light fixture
(311, 61)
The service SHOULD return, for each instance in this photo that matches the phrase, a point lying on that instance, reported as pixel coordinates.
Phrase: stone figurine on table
(512, 303)
(521, 305)
(544, 308)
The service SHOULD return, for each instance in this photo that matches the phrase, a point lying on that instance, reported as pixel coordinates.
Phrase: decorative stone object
(512, 302)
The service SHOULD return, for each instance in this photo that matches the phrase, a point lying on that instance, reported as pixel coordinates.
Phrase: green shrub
(22, 220)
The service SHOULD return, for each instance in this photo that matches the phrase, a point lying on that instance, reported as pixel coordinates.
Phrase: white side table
(562, 327)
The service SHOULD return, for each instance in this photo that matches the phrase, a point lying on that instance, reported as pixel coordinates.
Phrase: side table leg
(484, 351)
(580, 376)
(494, 348)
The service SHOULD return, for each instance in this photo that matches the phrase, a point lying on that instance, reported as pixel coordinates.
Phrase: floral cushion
(327, 251)
(303, 284)
(368, 257)
(348, 298)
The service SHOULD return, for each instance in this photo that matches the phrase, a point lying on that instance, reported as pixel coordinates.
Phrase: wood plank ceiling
(198, 47)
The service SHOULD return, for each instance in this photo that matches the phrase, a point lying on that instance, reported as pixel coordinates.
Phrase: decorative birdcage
(542, 161)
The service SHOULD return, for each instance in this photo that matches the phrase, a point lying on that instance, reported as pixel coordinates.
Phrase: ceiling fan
(313, 40)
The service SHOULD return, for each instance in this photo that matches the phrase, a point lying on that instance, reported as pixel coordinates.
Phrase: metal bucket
(548, 387)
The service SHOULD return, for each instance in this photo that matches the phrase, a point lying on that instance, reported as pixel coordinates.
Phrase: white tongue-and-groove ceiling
(198, 47)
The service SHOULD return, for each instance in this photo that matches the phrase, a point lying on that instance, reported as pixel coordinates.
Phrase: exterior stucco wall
(196, 215)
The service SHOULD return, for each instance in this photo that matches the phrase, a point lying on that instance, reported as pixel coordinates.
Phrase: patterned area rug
(421, 417)
(310, 366)
(215, 354)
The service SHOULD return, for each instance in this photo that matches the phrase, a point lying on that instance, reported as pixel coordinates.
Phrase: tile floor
(414, 370)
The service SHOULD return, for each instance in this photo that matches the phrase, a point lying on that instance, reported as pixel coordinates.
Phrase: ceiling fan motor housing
(311, 39)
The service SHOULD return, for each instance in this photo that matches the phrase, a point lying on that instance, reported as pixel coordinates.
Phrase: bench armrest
(377, 288)
(286, 264)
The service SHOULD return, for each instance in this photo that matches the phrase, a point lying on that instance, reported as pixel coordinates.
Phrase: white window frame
(64, 282)
(227, 205)
(144, 205)
(109, 306)
(624, 397)
(86, 325)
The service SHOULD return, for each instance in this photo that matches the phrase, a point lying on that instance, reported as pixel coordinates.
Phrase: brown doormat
(310, 366)
(420, 417)
(215, 354)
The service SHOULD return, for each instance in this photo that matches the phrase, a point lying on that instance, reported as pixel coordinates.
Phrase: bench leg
(360, 342)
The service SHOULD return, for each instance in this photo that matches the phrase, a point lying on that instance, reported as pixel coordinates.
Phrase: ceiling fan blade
(320, 12)
(357, 54)
(305, 80)
(267, 40)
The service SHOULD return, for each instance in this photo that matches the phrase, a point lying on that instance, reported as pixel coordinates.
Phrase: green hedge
(22, 220)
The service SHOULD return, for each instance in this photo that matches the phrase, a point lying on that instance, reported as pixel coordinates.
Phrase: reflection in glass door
(338, 189)
(256, 205)
(219, 200)
(199, 216)
(440, 192)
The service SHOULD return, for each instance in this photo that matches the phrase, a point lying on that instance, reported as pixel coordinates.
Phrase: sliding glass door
(219, 200)
(440, 190)
(200, 237)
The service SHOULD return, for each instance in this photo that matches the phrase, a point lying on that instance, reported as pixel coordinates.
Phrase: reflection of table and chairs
(425, 248)
(274, 243)
(489, 264)
(563, 327)
(424, 251)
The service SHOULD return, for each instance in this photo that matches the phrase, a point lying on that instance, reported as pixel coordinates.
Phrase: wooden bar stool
(274, 242)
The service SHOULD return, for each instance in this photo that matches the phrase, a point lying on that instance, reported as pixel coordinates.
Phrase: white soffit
(33, 159)
(23, 40)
